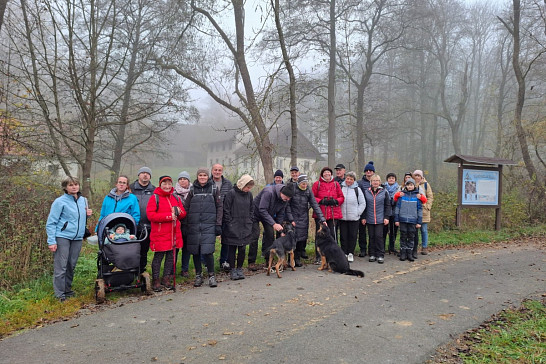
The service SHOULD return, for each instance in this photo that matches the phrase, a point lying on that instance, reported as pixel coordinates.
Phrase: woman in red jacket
(329, 196)
(164, 211)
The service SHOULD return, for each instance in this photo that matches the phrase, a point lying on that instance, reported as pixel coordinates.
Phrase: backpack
(157, 200)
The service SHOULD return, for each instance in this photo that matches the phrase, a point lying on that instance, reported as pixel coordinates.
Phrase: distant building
(238, 154)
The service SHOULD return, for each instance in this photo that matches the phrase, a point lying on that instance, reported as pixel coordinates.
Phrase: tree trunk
(332, 88)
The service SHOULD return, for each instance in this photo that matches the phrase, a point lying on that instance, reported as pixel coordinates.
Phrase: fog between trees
(406, 84)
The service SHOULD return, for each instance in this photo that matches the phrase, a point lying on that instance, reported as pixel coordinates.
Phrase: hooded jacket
(164, 230)
(204, 209)
(299, 206)
(269, 208)
(67, 218)
(126, 202)
(330, 190)
(354, 203)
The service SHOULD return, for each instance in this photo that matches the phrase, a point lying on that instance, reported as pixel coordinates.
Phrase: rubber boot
(410, 255)
(403, 253)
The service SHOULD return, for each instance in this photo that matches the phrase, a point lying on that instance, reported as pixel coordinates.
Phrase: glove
(324, 201)
(335, 202)
(331, 202)
(176, 210)
(218, 230)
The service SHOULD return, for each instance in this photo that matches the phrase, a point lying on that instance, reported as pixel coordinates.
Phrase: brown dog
(281, 247)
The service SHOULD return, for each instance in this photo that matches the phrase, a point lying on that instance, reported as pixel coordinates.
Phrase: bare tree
(521, 71)
(3, 5)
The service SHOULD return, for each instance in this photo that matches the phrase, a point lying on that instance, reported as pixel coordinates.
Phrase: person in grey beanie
(143, 189)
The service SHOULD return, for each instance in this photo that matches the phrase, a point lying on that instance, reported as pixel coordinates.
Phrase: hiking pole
(173, 240)
(334, 224)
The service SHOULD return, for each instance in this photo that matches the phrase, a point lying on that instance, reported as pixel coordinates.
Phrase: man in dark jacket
(271, 208)
(340, 173)
(223, 185)
(364, 184)
(143, 189)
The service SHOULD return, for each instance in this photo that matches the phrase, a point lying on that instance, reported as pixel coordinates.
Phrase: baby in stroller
(118, 234)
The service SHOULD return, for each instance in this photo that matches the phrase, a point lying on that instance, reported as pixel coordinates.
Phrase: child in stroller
(118, 234)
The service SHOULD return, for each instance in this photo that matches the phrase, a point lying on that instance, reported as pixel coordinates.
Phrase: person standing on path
(351, 209)
(143, 189)
(181, 190)
(364, 184)
(223, 185)
(408, 215)
(377, 212)
(425, 190)
(120, 199)
(65, 227)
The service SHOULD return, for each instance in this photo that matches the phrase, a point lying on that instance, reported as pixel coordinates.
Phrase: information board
(480, 187)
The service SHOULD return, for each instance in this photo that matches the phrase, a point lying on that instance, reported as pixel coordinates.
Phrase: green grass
(514, 336)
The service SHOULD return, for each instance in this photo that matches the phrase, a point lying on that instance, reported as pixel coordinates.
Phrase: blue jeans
(424, 235)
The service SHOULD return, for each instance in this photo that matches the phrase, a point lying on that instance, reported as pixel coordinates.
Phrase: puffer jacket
(204, 208)
(126, 202)
(378, 206)
(164, 230)
(237, 217)
(354, 203)
(143, 194)
(299, 205)
(331, 190)
(269, 207)
(409, 208)
(66, 219)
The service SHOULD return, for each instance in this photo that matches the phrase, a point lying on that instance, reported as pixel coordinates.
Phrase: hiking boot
(225, 267)
(298, 263)
(380, 260)
(424, 251)
(317, 261)
(156, 285)
(252, 267)
(198, 280)
(234, 275)
(167, 281)
(240, 274)
(393, 251)
(185, 274)
(372, 258)
(361, 255)
(212, 281)
(411, 256)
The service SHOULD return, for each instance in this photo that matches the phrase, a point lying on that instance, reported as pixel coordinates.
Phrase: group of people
(189, 216)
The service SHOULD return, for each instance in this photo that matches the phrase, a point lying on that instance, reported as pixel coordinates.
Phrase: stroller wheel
(100, 293)
(146, 283)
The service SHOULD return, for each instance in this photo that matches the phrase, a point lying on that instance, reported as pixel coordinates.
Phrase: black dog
(332, 255)
(281, 247)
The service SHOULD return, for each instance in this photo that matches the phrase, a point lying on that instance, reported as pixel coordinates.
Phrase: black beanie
(288, 191)
(278, 172)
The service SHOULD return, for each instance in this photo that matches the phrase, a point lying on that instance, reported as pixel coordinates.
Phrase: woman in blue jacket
(120, 199)
(65, 228)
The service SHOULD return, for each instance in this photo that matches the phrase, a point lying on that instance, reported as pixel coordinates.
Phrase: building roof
(470, 159)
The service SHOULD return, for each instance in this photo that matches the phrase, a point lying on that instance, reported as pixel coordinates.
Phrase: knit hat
(203, 170)
(303, 178)
(326, 169)
(278, 172)
(243, 181)
(369, 167)
(418, 172)
(340, 166)
(119, 225)
(288, 191)
(410, 180)
(185, 175)
(165, 178)
(407, 174)
(145, 170)
(391, 175)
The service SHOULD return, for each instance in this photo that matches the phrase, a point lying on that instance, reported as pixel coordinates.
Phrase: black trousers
(144, 247)
(391, 230)
(376, 246)
(362, 243)
(407, 235)
(209, 262)
(233, 250)
(267, 241)
(348, 232)
(300, 248)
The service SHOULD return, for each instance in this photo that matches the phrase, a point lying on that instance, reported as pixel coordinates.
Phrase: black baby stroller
(118, 262)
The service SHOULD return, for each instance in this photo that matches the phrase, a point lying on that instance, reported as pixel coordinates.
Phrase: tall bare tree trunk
(3, 5)
(332, 88)
(292, 85)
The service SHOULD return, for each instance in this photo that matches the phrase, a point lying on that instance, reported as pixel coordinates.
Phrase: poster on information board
(480, 187)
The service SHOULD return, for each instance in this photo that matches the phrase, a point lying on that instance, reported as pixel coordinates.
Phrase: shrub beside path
(400, 312)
